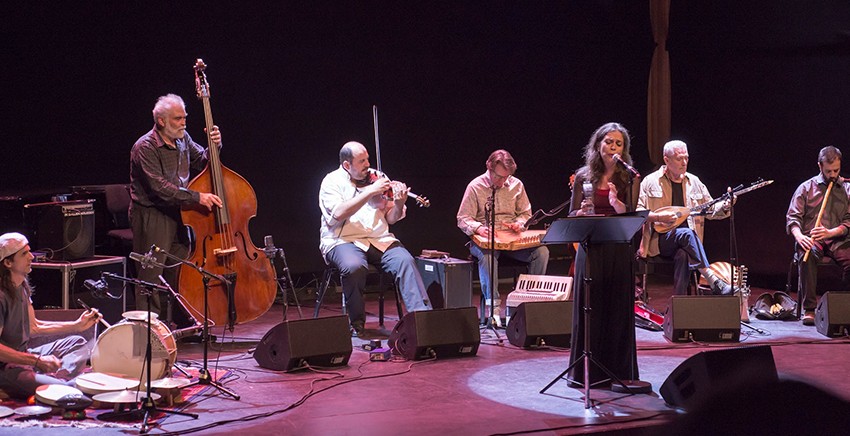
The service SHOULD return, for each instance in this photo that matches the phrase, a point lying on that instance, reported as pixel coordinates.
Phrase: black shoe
(358, 329)
(721, 288)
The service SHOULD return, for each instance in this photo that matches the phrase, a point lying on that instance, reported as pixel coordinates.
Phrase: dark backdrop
(756, 92)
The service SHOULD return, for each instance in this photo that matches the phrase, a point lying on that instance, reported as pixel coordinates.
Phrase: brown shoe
(809, 317)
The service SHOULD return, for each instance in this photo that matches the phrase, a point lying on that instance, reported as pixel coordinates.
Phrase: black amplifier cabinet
(448, 281)
(64, 227)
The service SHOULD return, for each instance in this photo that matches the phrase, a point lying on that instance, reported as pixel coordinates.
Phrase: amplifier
(448, 281)
(65, 228)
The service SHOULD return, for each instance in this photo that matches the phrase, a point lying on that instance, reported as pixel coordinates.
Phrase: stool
(647, 265)
(793, 268)
(329, 274)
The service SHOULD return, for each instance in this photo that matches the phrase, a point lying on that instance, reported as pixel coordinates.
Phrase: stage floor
(495, 392)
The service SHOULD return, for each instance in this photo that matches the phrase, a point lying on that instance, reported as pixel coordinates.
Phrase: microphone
(98, 288)
(628, 167)
(269, 249)
(147, 260)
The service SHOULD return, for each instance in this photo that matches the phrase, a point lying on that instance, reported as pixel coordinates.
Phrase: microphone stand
(271, 252)
(148, 405)
(204, 377)
(490, 219)
(177, 334)
(733, 250)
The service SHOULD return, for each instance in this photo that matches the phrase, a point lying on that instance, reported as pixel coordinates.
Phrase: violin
(390, 194)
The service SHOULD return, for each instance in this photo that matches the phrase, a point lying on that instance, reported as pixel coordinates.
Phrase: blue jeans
(21, 381)
(536, 258)
(686, 250)
(353, 265)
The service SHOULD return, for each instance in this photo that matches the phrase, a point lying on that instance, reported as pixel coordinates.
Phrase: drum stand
(204, 377)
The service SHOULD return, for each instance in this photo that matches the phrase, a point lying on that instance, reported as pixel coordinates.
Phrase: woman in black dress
(612, 330)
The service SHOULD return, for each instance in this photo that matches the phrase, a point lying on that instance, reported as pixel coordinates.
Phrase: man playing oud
(672, 185)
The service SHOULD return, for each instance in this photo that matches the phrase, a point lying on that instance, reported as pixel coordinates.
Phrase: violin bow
(377, 141)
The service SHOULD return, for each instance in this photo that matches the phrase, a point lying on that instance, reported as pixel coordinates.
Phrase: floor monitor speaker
(701, 375)
(539, 323)
(323, 342)
(711, 318)
(437, 333)
(832, 317)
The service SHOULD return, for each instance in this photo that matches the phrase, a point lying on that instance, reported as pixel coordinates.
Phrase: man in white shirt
(358, 208)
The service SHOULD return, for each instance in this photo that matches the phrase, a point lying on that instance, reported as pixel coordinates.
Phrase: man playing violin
(673, 185)
(820, 225)
(513, 210)
(161, 163)
(23, 369)
(356, 216)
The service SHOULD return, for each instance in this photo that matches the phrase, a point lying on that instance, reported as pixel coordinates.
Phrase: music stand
(588, 230)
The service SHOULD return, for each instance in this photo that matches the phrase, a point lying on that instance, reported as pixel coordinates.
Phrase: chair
(331, 271)
(118, 205)
(649, 265)
(793, 269)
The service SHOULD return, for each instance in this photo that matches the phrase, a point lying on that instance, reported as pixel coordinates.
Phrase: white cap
(11, 243)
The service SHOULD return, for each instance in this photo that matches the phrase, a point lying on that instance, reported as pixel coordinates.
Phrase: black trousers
(152, 226)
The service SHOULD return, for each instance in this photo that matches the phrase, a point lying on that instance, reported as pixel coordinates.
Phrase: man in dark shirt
(161, 163)
(829, 238)
(23, 369)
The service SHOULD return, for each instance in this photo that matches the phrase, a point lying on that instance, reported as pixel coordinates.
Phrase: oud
(682, 212)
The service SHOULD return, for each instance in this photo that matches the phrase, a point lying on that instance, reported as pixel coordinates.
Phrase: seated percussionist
(23, 369)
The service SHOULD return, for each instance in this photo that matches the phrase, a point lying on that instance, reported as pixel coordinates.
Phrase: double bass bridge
(221, 252)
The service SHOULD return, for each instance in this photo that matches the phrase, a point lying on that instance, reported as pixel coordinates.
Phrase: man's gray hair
(164, 103)
(672, 146)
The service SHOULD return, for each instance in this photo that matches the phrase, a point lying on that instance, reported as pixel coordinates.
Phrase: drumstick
(87, 307)
(820, 215)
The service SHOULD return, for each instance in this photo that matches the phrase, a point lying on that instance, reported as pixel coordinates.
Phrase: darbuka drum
(120, 350)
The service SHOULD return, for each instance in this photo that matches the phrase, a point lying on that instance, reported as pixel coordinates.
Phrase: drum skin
(120, 350)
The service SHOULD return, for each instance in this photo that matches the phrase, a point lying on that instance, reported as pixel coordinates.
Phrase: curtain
(658, 95)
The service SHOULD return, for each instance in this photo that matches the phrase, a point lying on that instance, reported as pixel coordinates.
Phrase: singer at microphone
(628, 167)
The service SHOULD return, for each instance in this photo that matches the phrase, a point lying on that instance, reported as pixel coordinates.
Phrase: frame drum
(120, 350)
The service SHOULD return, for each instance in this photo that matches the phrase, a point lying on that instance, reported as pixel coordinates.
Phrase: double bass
(221, 243)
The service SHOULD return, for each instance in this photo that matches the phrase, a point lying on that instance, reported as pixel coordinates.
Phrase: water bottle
(587, 206)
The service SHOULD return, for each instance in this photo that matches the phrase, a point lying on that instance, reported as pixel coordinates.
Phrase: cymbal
(171, 383)
(139, 315)
(126, 396)
(33, 410)
(5, 411)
